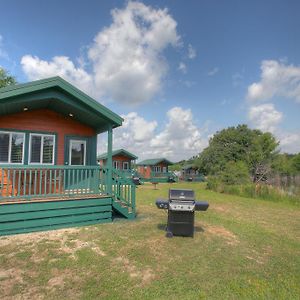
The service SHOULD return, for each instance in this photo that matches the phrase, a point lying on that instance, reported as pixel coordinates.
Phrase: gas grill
(181, 207)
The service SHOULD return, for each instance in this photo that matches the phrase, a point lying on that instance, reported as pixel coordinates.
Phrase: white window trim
(42, 148)
(156, 169)
(117, 164)
(70, 152)
(126, 163)
(9, 147)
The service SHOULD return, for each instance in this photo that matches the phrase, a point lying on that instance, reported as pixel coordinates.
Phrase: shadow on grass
(163, 227)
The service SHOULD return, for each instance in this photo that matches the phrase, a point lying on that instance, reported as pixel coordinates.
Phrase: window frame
(70, 152)
(10, 133)
(117, 165)
(125, 163)
(156, 169)
(42, 135)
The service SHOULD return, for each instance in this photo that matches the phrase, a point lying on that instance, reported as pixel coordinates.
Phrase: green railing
(32, 182)
(26, 182)
(164, 176)
(123, 189)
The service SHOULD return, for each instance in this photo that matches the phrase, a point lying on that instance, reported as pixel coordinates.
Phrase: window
(77, 153)
(41, 149)
(12, 147)
(156, 169)
(125, 165)
(116, 164)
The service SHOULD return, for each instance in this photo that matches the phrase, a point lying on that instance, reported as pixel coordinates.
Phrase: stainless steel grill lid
(181, 195)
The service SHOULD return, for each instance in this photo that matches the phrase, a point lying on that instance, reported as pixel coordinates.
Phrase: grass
(243, 248)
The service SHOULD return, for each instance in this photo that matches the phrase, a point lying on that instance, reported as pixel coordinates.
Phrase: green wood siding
(28, 217)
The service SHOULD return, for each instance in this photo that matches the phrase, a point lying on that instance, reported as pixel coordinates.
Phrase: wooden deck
(53, 198)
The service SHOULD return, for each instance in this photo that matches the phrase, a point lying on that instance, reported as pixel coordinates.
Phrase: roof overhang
(60, 96)
(118, 152)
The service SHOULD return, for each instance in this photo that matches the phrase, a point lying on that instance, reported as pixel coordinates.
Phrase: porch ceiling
(58, 95)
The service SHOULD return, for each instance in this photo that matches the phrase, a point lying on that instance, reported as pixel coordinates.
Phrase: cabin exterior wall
(50, 122)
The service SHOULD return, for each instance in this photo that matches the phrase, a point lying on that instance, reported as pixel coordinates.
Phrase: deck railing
(163, 175)
(26, 182)
(123, 188)
(42, 182)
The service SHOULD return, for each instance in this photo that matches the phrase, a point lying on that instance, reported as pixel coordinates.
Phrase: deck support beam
(109, 159)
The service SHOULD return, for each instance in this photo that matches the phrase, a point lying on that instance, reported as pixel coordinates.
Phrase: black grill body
(181, 208)
(181, 223)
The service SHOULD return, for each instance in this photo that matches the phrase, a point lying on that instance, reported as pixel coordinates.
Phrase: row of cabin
(125, 161)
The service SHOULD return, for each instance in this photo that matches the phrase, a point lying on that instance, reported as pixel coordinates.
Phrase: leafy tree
(296, 163)
(6, 79)
(235, 173)
(284, 164)
(253, 147)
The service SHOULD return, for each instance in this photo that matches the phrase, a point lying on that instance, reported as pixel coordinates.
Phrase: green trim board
(28, 217)
(118, 152)
(57, 94)
(154, 161)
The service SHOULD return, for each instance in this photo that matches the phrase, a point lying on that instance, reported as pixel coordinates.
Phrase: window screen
(42, 149)
(17, 141)
(11, 147)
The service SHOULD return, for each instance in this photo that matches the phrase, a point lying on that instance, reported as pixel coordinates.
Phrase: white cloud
(265, 117)
(36, 68)
(182, 67)
(179, 139)
(289, 141)
(213, 71)
(191, 52)
(277, 79)
(126, 57)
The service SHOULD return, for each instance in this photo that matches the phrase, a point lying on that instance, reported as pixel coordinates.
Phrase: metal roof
(118, 152)
(154, 161)
(57, 94)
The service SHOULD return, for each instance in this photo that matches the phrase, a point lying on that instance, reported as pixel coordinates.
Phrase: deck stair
(123, 191)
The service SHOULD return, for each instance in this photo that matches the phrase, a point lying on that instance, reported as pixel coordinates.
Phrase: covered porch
(49, 177)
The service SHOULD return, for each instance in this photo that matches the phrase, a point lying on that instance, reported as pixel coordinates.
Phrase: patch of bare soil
(231, 238)
(8, 278)
(34, 237)
(146, 275)
(220, 208)
(74, 245)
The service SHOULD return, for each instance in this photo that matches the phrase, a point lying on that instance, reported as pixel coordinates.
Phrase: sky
(176, 71)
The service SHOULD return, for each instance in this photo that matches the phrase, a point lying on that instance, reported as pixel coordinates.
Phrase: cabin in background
(49, 176)
(191, 173)
(156, 169)
(121, 159)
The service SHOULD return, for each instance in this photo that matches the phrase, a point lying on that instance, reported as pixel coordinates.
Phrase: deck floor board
(54, 198)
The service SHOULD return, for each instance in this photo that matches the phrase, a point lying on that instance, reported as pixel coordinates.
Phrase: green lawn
(242, 249)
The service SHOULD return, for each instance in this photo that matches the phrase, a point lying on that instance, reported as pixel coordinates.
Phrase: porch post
(109, 159)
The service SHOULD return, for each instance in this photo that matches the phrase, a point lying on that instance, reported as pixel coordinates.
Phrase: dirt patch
(220, 231)
(34, 237)
(74, 245)
(220, 208)
(8, 279)
(146, 275)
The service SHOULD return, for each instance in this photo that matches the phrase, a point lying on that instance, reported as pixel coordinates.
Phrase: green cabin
(49, 175)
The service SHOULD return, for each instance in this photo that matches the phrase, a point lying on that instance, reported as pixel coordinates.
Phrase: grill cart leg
(169, 234)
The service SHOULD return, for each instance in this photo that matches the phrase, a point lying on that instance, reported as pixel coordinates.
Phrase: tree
(6, 79)
(253, 147)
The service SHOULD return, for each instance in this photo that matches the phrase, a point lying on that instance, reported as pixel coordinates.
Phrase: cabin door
(76, 178)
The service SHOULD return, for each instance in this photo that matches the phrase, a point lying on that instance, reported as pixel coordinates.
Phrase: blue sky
(176, 71)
